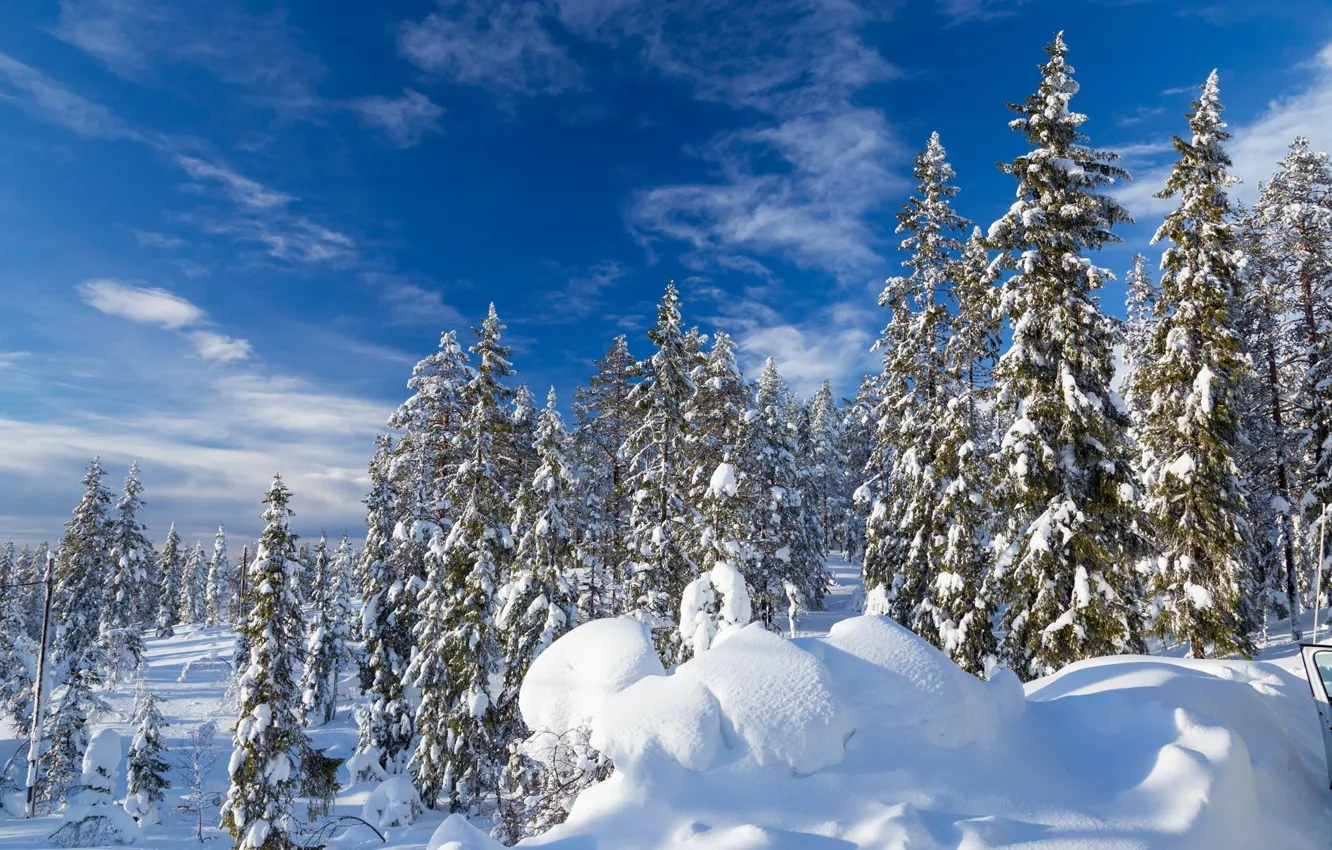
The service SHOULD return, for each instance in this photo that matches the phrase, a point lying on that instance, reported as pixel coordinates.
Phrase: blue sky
(230, 228)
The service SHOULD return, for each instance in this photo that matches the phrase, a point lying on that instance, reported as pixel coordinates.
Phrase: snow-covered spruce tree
(32, 571)
(269, 738)
(18, 651)
(65, 736)
(1066, 481)
(1268, 459)
(718, 598)
(193, 574)
(785, 542)
(660, 523)
(828, 464)
(147, 770)
(1293, 219)
(385, 722)
(217, 589)
(326, 650)
(1190, 435)
(459, 756)
(1143, 293)
(604, 417)
(715, 414)
(120, 630)
(539, 603)
(904, 530)
(858, 432)
(82, 565)
(965, 596)
(520, 457)
(171, 566)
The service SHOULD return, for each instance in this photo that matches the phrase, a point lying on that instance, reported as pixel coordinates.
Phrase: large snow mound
(776, 699)
(899, 686)
(659, 715)
(570, 681)
(870, 738)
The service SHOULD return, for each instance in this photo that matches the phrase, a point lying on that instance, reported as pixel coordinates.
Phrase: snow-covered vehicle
(1318, 667)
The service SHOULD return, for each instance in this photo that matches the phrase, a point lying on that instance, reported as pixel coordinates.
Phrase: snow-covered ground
(855, 735)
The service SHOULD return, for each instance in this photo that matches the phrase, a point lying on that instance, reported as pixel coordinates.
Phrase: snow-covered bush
(394, 802)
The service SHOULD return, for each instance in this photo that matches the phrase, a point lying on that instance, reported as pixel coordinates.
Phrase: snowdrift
(870, 738)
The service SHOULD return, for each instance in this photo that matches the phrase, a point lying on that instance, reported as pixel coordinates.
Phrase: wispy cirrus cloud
(42, 96)
(246, 192)
(403, 120)
(798, 183)
(1256, 146)
(504, 46)
(145, 41)
(148, 305)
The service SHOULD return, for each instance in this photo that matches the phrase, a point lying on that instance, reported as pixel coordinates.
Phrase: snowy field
(854, 735)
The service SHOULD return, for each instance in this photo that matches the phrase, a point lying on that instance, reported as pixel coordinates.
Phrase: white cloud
(581, 294)
(164, 241)
(1257, 145)
(501, 46)
(405, 120)
(798, 183)
(832, 343)
(215, 346)
(44, 97)
(962, 11)
(410, 303)
(146, 305)
(244, 191)
(813, 211)
(149, 41)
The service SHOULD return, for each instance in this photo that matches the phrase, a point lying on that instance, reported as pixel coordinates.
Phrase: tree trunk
(1283, 490)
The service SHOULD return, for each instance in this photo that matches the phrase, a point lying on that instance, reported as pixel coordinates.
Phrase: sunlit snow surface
(855, 735)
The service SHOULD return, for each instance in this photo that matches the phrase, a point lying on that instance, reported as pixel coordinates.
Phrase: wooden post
(35, 734)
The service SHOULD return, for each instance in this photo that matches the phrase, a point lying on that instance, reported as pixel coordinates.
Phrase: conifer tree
(966, 597)
(192, 578)
(31, 565)
(120, 629)
(1143, 293)
(147, 769)
(1269, 459)
(604, 416)
(1293, 223)
(521, 459)
(660, 523)
(82, 565)
(858, 432)
(715, 414)
(905, 530)
(385, 722)
(18, 651)
(460, 754)
(1190, 436)
(786, 544)
(66, 733)
(217, 590)
(326, 651)
(168, 599)
(538, 603)
(1066, 484)
(269, 740)
(828, 464)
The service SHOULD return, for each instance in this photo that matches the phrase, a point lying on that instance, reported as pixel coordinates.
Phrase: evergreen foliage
(1191, 436)
(1066, 487)
(269, 739)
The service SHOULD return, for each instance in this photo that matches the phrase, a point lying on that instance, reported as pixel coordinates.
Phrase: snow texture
(569, 682)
